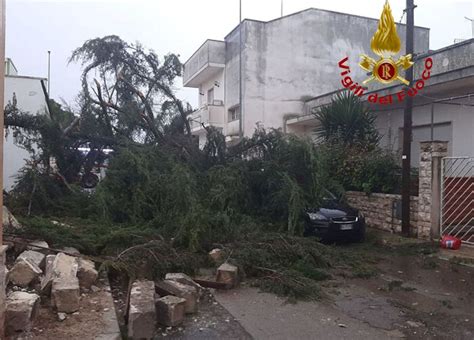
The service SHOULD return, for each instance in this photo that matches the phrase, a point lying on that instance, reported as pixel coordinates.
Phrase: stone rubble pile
(37, 274)
(167, 302)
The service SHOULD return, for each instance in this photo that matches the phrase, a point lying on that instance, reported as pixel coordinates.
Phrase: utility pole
(281, 8)
(241, 109)
(407, 124)
(49, 74)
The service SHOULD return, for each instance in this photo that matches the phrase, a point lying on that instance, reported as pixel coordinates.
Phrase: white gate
(457, 198)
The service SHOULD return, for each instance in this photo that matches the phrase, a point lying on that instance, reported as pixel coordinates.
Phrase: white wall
(297, 56)
(460, 135)
(30, 98)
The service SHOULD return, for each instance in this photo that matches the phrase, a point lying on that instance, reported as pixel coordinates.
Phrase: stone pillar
(3, 286)
(429, 195)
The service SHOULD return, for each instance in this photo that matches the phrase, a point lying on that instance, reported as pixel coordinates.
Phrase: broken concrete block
(21, 310)
(228, 274)
(216, 255)
(65, 265)
(10, 223)
(23, 273)
(183, 278)
(34, 257)
(142, 312)
(187, 292)
(71, 250)
(39, 246)
(65, 294)
(86, 273)
(170, 310)
(47, 279)
(65, 287)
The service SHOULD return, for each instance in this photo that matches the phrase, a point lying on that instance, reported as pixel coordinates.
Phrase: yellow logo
(385, 43)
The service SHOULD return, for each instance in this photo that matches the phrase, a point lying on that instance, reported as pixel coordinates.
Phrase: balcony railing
(233, 128)
(205, 62)
(209, 115)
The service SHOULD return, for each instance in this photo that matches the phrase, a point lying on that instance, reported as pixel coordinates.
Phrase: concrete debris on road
(71, 250)
(47, 280)
(34, 257)
(86, 273)
(228, 274)
(216, 255)
(39, 246)
(184, 279)
(23, 273)
(142, 310)
(185, 291)
(65, 294)
(21, 310)
(170, 310)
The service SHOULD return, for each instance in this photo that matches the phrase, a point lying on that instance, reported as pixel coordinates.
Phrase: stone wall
(429, 190)
(379, 210)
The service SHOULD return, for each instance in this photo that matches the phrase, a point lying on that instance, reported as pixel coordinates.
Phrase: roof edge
(25, 77)
(314, 9)
(205, 41)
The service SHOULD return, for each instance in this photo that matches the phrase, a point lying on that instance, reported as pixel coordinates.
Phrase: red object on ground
(450, 242)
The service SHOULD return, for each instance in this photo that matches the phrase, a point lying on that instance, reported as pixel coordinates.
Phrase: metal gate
(457, 198)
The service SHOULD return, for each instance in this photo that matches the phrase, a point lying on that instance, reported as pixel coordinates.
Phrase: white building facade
(285, 62)
(290, 68)
(442, 111)
(31, 97)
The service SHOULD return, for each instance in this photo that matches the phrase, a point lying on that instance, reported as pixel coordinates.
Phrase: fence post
(429, 197)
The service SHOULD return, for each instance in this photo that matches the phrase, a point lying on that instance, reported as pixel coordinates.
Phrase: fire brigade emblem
(385, 43)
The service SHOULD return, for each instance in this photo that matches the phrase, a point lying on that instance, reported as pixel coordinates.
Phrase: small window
(210, 96)
(234, 113)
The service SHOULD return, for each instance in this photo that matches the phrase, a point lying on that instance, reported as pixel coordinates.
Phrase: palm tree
(347, 120)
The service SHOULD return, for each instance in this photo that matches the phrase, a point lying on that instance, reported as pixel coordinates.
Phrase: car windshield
(329, 196)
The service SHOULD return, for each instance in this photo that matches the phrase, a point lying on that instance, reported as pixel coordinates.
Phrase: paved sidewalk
(266, 316)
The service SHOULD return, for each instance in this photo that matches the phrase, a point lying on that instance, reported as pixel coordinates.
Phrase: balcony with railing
(205, 63)
(208, 115)
(233, 128)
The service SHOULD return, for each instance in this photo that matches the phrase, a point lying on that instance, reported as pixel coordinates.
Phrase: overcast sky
(179, 26)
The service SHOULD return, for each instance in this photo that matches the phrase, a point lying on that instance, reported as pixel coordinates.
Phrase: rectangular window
(210, 96)
(234, 113)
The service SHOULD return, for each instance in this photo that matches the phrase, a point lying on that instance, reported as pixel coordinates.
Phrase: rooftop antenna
(472, 24)
(281, 7)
